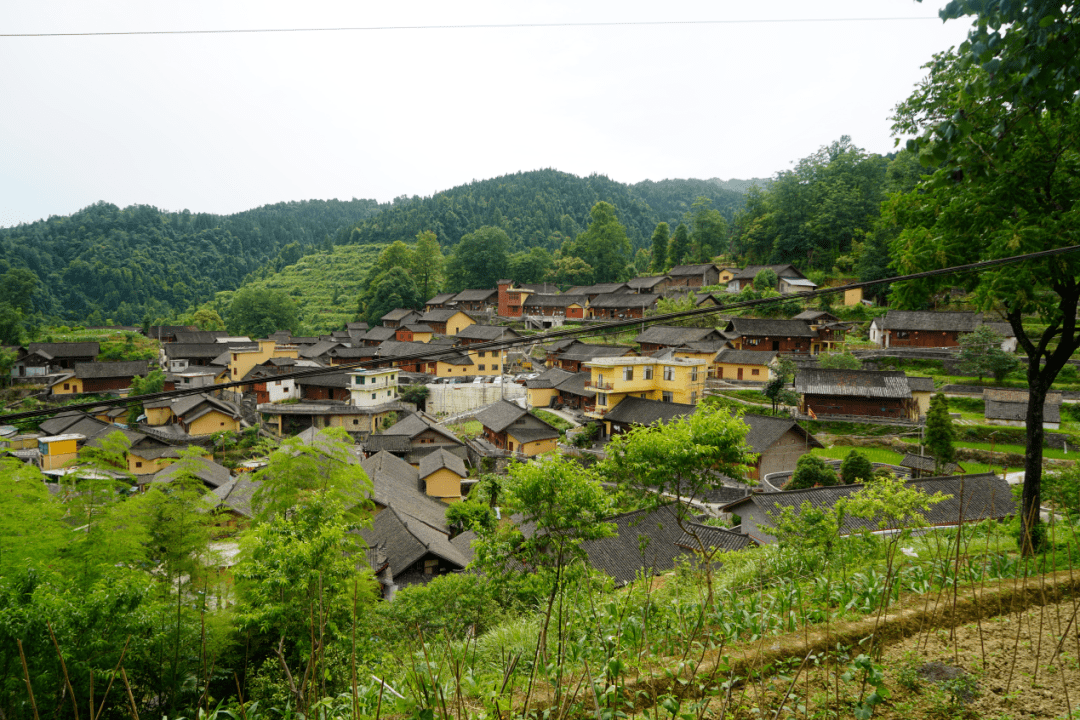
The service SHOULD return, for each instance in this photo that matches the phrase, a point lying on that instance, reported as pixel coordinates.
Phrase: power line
(585, 331)
(475, 26)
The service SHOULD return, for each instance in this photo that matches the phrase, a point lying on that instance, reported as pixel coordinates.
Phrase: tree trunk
(1029, 507)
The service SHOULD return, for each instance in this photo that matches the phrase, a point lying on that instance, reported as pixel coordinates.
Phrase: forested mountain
(740, 186)
(104, 262)
(541, 208)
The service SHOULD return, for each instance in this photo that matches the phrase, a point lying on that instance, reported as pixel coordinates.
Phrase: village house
(167, 333)
(901, 328)
(178, 357)
(550, 310)
(211, 474)
(476, 334)
(41, 359)
(201, 336)
(831, 331)
(556, 386)
(749, 366)
(669, 380)
(658, 337)
(398, 317)
(701, 275)
(594, 291)
(325, 386)
(511, 299)
(785, 336)
(439, 301)
(923, 466)
(193, 415)
(476, 301)
(446, 321)
(573, 355)
(1010, 407)
(513, 429)
(371, 388)
(341, 355)
(414, 437)
(970, 498)
(789, 279)
(861, 393)
(414, 332)
(441, 473)
(621, 306)
(243, 358)
(97, 377)
(649, 284)
(285, 419)
(377, 336)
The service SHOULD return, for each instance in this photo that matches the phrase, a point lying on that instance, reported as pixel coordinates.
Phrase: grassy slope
(314, 279)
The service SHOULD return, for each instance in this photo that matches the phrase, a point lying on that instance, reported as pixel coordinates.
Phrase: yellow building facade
(533, 447)
(444, 485)
(242, 361)
(679, 380)
(58, 450)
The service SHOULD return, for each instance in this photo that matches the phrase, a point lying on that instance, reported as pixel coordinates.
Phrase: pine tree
(660, 248)
(679, 246)
(940, 433)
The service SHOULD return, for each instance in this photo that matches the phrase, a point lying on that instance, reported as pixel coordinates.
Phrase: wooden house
(512, 428)
(867, 393)
(475, 301)
(398, 317)
(1010, 407)
(760, 334)
(701, 275)
(40, 359)
(751, 366)
(97, 377)
(659, 337)
(572, 356)
(446, 321)
(414, 332)
(621, 306)
(900, 328)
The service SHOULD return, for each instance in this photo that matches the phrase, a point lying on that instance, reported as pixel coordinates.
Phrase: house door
(739, 371)
(776, 345)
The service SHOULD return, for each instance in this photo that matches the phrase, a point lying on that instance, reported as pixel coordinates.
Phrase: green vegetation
(468, 429)
(106, 263)
(554, 420)
(326, 285)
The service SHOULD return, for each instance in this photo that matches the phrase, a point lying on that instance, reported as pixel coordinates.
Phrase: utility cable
(474, 26)
(593, 330)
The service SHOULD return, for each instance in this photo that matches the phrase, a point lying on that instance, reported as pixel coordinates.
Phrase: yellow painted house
(195, 414)
(510, 427)
(441, 473)
(668, 379)
(752, 366)
(241, 361)
(58, 450)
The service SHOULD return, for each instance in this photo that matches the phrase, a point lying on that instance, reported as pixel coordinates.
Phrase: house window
(667, 397)
(222, 424)
(628, 372)
(902, 334)
(494, 367)
(373, 396)
(600, 380)
(481, 353)
(644, 396)
(67, 386)
(669, 373)
(648, 372)
(481, 367)
(693, 374)
(601, 398)
(360, 379)
(755, 371)
(138, 464)
(355, 422)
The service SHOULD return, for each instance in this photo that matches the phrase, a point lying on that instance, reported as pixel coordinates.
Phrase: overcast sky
(225, 122)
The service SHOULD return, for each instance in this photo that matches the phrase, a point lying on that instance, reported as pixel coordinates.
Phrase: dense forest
(105, 263)
(541, 208)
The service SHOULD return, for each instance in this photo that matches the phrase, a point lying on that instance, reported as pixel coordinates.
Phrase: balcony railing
(597, 386)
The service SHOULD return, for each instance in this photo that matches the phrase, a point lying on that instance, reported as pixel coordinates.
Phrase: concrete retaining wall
(454, 399)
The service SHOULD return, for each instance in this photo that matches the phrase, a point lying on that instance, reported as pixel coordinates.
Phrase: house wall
(637, 312)
(315, 392)
(213, 422)
(575, 312)
(686, 386)
(57, 460)
(777, 344)
(853, 296)
(787, 288)
(241, 363)
(142, 466)
(430, 438)
(540, 397)
(755, 522)
(101, 384)
(72, 386)
(457, 323)
(870, 407)
(782, 455)
(724, 276)
(158, 416)
(921, 338)
(357, 423)
(922, 399)
(493, 362)
(536, 447)
(444, 484)
(750, 373)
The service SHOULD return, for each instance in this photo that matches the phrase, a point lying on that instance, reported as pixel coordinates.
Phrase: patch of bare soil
(1020, 665)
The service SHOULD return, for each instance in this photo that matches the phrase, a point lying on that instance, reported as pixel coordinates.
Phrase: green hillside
(540, 208)
(325, 285)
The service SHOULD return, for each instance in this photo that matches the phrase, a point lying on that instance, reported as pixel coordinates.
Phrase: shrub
(856, 468)
(810, 471)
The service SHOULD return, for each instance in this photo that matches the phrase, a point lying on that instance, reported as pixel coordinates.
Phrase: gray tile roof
(237, 493)
(441, 299)
(413, 424)
(439, 459)
(318, 349)
(397, 484)
(925, 463)
(474, 295)
(575, 384)
(398, 314)
(209, 472)
(406, 539)
(853, 383)
(765, 430)
(644, 283)
(1013, 405)
(396, 444)
(986, 496)
(598, 289)
(550, 378)
(559, 301)
(931, 321)
(200, 336)
(487, 332)
(583, 352)
(640, 411)
(500, 415)
(65, 349)
(684, 270)
(625, 300)
(378, 334)
(711, 537)
(327, 380)
(745, 357)
(121, 369)
(782, 271)
(675, 336)
(764, 327)
(918, 383)
(196, 351)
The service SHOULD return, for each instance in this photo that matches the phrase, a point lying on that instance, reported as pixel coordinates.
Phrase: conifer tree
(940, 433)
